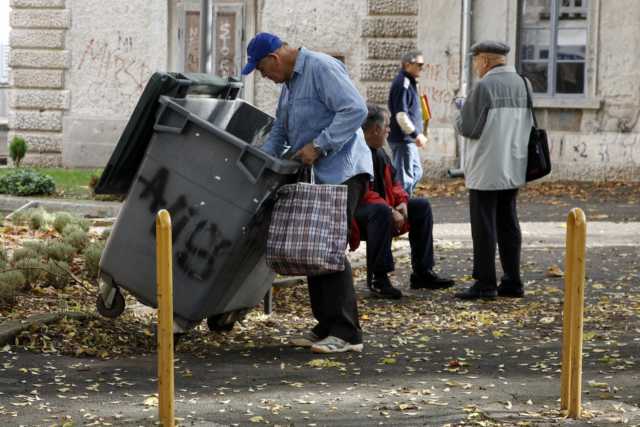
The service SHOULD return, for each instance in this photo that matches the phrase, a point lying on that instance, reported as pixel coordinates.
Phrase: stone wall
(329, 26)
(38, 61)
(114, 48)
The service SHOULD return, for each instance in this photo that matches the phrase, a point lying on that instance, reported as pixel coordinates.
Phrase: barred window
(552, 46)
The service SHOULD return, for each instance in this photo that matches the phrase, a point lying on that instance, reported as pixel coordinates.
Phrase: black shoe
(509, 289)
(477, 291)
(430, 280)
(381, 287)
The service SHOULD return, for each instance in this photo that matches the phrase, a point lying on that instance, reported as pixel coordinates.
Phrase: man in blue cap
(318, 119)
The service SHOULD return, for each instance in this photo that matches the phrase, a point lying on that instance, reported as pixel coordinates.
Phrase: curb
(11, 328)
(84, 207)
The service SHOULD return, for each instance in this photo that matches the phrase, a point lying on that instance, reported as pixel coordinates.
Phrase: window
(553, 45)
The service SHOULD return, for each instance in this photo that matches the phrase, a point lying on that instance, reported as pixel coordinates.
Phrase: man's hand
(421, 140)
(402, 208)
(307, 154)
(398, 219)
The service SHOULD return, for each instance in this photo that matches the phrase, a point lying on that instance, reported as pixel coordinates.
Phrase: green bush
(23, 182)
(10, 283)
(20, 217)
(37, 221)
(60, 251)
(24, 253)
(71, 228)
(17, 150)
(36, 245)
(78, 239)
(57, 274)
(105, 234)
(61, 220)
(32, 269)
(92, 258)
(83, 223)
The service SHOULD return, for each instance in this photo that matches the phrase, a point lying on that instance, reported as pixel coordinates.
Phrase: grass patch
(70, 183)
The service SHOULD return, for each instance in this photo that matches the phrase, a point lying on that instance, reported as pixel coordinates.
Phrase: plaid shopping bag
(308, 230)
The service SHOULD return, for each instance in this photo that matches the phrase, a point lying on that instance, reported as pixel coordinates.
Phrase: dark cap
(490, 46)
(260, 46)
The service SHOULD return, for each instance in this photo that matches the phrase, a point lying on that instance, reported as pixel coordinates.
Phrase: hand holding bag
(538, 158)
(308, 230)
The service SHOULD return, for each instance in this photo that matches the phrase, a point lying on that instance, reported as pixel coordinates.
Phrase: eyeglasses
(419, 64)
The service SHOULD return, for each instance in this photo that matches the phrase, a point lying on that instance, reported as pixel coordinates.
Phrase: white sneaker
(306, 340)
(335, 345)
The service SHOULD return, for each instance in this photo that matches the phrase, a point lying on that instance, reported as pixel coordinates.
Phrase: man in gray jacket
(496, 121)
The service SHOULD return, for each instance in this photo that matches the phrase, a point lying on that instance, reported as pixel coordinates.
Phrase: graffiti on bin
(202, 240)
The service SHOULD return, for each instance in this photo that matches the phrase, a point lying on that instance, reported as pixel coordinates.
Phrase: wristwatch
(317, 147)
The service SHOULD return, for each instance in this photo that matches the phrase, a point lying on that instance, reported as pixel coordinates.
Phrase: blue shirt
(403, 97)
(321, 103)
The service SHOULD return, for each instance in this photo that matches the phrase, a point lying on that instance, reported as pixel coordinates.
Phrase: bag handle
(307, 174)
(529, 102)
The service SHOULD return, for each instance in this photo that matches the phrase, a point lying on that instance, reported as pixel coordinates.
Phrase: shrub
(32, 269)
(4, 258)
(70, 228)
(92, 258)
(61, 220)
(57, 274)
(36, 246)
(36, 220)
(10, 283)
(78, 239)
(105, 234)
(24, 182)
(17, 150)
(83, 223)
(24, 253)
(20, 217)
(60, 251)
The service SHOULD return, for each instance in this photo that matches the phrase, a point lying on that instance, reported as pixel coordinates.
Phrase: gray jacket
(497, 123)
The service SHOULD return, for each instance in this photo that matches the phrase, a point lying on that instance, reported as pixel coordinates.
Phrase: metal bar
(164, 274)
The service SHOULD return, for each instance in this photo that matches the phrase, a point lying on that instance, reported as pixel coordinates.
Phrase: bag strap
(307, 174)
(529, 102)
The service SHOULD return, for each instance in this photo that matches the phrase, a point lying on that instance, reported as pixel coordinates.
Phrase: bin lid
(121, 169)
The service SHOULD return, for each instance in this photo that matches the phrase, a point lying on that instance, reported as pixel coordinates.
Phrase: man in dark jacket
(386, 211)
(406, 122)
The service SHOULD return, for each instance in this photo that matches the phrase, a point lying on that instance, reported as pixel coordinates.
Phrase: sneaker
(335, 345)
(306, 341)
(477, 291)
(511, 289)
(430, 280)
(382, 288)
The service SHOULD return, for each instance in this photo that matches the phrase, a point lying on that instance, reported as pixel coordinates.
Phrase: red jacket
(393, 195)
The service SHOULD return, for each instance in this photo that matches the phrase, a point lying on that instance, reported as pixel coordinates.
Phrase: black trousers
(332, 296)
(376, 227)
(494, 219)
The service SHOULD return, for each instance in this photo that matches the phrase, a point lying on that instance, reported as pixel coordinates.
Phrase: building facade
(78, 66)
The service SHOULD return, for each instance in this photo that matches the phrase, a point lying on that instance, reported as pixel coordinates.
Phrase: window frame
(552, 63)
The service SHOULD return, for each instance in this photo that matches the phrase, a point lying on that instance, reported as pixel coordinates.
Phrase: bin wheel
(116, 308)
(217, 323)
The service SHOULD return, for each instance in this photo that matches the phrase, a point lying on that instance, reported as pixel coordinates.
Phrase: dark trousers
(494, 219)
(376, 227)
(332, 296)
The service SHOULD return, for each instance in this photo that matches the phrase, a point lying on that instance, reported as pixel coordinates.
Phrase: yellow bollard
(164, 274)
(571, 377)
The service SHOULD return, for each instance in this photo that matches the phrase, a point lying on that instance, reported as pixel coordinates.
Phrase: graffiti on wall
(441, 82)
(110, 74)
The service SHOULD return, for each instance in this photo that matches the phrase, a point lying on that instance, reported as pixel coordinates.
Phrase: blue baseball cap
(260, 46)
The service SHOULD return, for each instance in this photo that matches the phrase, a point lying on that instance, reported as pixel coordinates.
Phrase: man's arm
(473, 116)
(339, 94)
(277, 139)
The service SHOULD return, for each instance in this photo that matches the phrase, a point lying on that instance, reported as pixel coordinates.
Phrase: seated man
(386, 211)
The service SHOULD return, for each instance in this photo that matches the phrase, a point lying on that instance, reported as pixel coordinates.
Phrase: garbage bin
(203, 166)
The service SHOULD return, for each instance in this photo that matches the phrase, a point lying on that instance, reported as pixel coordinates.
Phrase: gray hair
(410, 57)
(375, 115)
